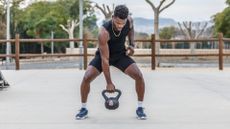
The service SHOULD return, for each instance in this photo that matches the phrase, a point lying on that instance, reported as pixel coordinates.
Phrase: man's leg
(129, 67)
(90, 74)
(134, 72)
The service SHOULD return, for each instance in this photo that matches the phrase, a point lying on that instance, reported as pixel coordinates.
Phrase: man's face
(119, 23)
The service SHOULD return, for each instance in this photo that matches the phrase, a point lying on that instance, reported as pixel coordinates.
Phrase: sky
(181, 10)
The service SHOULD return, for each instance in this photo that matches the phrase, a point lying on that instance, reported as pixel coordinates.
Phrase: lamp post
(8, 45)
(81, 31)
(52, 43)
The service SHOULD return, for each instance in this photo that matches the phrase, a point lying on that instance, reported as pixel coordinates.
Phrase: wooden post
(17, 52)
(85, 45)
(153, 54)
(221, 51)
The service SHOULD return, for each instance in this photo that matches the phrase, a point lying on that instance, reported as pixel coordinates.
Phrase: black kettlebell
(111, 103)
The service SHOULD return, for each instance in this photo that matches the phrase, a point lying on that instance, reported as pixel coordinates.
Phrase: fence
(85, 55)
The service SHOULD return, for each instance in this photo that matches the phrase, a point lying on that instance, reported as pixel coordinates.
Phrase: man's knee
(87, 78)
(90, 75)
(138, 76)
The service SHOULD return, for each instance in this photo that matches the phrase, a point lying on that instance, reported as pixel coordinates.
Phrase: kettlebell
(111, 103)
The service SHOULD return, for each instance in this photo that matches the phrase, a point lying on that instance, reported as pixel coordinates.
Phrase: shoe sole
(81, 118)
(141, 118)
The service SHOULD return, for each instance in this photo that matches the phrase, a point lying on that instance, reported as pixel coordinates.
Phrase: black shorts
(121, 63)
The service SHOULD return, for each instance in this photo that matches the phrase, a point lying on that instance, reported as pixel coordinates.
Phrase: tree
(73, 19)
(144, 36)
(39, 19)
(2, 19)
(221, 21)
(228, 2)
(157, 10)
(106, 10)
(16, 13)
(192, 31)
(14, 9)
(167, 33)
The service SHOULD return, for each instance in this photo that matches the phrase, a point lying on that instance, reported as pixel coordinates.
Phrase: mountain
(147, 25)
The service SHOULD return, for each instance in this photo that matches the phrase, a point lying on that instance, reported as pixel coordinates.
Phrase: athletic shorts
(121, 63)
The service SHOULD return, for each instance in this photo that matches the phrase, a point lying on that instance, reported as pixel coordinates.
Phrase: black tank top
(116, 44)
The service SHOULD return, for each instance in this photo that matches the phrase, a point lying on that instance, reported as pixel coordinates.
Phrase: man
(112, 51)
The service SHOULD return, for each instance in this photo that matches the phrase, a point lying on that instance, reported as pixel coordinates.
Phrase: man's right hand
(110, 88)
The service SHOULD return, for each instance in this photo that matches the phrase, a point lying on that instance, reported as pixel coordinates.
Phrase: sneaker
(82, 114)
(140, 113)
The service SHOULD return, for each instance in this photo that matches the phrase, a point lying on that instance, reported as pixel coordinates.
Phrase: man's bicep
(131, 27)
(103, 48)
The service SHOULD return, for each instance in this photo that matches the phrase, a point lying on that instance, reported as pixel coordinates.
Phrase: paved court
(175, 99)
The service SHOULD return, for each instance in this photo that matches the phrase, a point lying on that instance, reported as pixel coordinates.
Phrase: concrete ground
(174, 99)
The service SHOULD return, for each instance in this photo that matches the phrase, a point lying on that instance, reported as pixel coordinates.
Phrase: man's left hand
(130, 51)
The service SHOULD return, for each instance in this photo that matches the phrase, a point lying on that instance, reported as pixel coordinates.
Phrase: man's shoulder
(130, 19)
(106, 23)
(103, 32)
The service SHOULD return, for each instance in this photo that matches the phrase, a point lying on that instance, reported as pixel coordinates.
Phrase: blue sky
(181, 10)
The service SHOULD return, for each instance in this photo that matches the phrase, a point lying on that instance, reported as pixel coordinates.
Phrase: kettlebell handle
(116, 90)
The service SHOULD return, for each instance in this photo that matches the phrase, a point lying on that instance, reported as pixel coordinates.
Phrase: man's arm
(131, 37)
(131, 32)
(104, 52)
